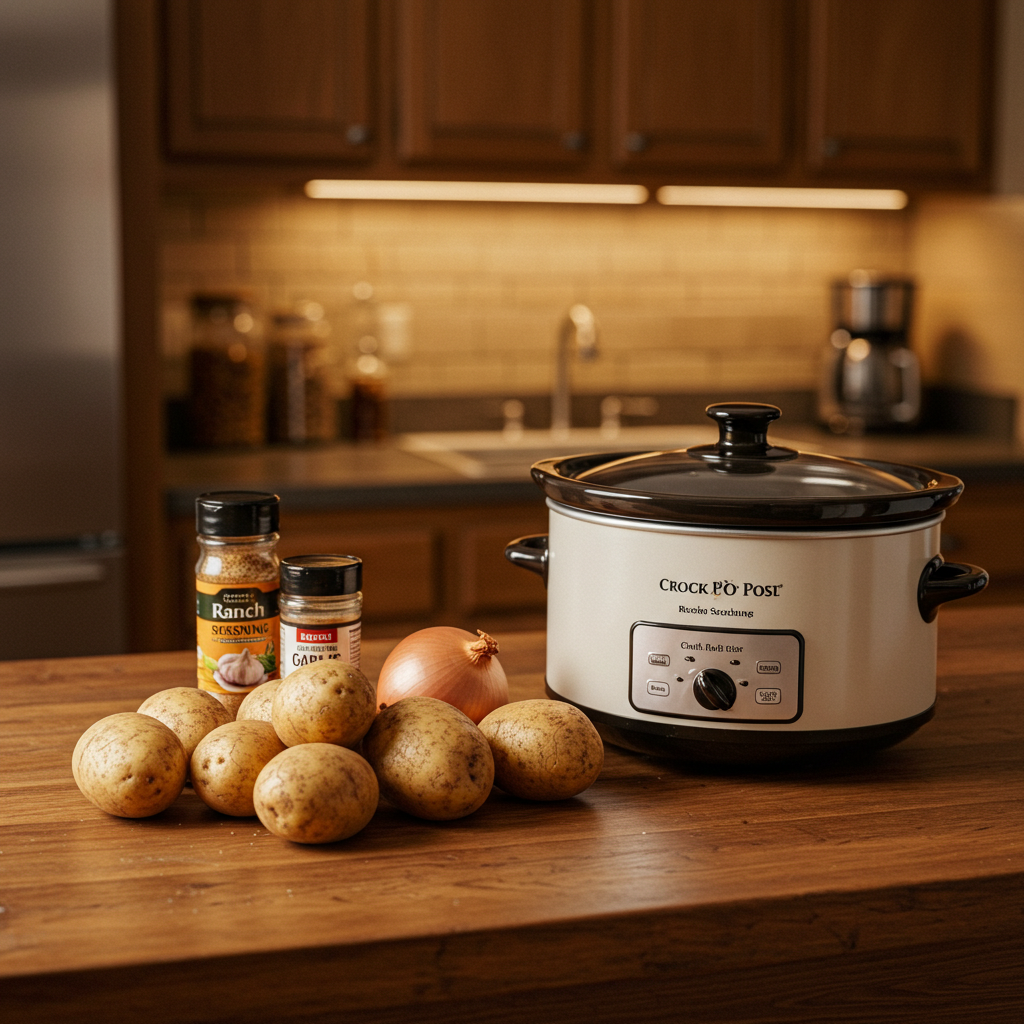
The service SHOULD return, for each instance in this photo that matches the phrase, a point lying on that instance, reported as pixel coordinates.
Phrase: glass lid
(744, 479)
(742, 464)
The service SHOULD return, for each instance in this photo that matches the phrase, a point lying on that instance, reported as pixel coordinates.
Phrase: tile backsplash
(687, 299)
(968, 254)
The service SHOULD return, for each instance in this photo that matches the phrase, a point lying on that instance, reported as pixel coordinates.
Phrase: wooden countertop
(891, 889)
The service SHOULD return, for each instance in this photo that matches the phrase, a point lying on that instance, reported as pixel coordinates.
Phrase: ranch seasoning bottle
(236, 591)
(321, 610)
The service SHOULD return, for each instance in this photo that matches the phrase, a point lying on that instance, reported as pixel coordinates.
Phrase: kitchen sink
(494, 454)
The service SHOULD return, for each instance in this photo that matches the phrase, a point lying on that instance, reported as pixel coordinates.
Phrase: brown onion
(447, 663)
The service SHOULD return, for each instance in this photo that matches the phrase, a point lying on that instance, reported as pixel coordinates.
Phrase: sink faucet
(578, 333)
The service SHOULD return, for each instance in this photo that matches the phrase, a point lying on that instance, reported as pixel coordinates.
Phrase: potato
(226, 762)
(316, 793)
(324, 702)
(130, 765)
(543, 749)
(257, 703)
(190, 713)
(430, 759)
(232, 701)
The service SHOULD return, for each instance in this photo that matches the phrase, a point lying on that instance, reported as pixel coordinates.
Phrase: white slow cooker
(741, 602)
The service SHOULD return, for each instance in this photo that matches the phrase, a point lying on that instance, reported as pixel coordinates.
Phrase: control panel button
(658, 659)
(766, 696)
(714, 689)
(769, 668)
(657, 688)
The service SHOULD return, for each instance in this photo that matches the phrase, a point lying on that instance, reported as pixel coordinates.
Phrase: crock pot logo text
(723, 588)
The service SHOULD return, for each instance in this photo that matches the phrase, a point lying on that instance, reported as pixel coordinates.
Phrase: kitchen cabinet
(422, 566)
(444, 565)
(984, 528)
(700, 85)
(491, 81)
(269, 78)
(786, 92)
(898, 86)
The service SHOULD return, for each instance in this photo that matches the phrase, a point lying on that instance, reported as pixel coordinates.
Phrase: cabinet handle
(637, 142)
(830, 147)
(574, 141)
(357, 134)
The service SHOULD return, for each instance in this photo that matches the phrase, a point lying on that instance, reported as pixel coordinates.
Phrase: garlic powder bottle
(321, 610)
(237, 618)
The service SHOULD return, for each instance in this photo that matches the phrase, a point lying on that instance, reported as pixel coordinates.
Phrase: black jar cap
(321, 575)
(237, 513)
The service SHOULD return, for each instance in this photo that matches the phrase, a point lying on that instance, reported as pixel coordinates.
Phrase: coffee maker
(870, 378)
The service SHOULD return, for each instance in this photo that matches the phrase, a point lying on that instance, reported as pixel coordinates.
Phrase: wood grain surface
(889, 889)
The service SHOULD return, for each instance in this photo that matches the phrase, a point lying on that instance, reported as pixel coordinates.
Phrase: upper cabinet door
(899, 86)
(699, 84)
(269, 78)
(491, 81)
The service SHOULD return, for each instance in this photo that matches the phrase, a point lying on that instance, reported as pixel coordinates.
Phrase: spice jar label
(237, 636)
(302, 644)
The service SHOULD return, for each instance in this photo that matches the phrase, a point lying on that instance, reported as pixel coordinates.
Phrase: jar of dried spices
(321, 609)
(228, 374)
(237, 618)
(302, 408)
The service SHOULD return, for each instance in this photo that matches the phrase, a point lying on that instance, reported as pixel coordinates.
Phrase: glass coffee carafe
(870, 378)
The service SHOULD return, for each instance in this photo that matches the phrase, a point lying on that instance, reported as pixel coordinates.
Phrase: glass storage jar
(237, 618)
(228, 374)
(301, 406)
(321, 610)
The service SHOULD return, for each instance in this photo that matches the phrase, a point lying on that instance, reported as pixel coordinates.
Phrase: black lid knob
(714, 689)
(743, 427)
(742, 445)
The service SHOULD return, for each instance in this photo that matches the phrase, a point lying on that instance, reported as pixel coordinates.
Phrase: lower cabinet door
(488, 582)
(984, 528)
(399, 566)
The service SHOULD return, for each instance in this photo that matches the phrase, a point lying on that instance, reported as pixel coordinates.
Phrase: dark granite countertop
(348, 475)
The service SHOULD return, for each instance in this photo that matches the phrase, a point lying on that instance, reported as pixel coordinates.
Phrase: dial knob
(714, 689)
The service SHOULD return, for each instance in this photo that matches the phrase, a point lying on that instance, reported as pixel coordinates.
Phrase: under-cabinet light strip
(477, 191)
(567, 192)
(808, 198)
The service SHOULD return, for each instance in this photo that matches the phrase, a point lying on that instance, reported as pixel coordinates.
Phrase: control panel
(726, 675)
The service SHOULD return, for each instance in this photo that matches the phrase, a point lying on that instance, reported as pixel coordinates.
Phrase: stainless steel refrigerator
(62, 589)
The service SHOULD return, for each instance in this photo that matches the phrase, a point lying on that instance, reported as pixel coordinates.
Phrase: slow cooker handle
(530, 553)
(943, 581)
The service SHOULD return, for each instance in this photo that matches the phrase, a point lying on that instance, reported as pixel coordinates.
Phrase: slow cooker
(744, 602)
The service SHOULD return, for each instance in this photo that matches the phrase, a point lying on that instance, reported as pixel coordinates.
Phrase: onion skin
(449, 664)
